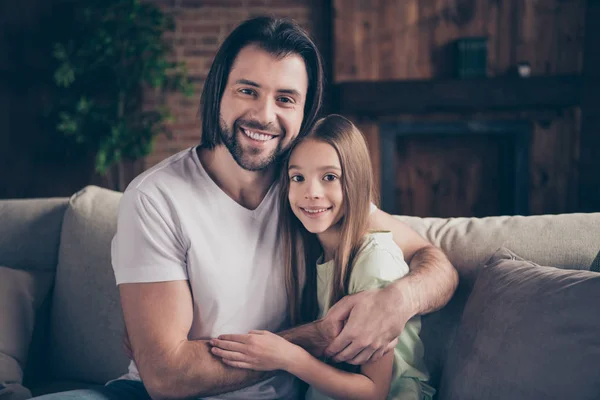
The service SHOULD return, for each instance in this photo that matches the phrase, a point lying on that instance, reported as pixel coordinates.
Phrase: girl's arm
(265, 351)
(372, 383)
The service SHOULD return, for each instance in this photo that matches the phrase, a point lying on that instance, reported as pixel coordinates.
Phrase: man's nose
(265, 112)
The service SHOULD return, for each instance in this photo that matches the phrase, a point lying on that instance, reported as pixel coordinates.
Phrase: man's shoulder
(167, 177)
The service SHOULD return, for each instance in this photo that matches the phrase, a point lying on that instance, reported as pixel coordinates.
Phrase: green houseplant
(111, 54)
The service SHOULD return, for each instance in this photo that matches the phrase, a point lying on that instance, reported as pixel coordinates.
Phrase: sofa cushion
(86, 318)
(30, 232)
(568, 241)
(14, 391)
(527, 332)
(596, 264)
(21, 294)
(57, 386)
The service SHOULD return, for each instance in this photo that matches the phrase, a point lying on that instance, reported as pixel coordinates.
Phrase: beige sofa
(63, 246)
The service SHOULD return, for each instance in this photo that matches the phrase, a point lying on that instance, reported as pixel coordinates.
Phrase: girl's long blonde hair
(302, 248)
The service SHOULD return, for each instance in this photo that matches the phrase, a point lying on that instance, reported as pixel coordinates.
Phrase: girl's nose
(313, 191)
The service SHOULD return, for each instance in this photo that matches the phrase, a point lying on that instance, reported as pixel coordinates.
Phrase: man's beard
(249, 159)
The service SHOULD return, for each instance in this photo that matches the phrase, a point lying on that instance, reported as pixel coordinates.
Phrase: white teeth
(257, 136)
(315, 211)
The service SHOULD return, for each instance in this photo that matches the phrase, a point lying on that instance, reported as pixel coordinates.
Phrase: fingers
(383, 351)
(351, 351)
(363, 357)
(391, 346)
(357, 353)
(341, 310)
(237, 364)
(229, 355)
(235, 338)
(228, 345)
(377, 355)
(338, 345)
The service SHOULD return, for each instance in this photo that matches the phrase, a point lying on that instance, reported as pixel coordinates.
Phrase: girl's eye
(330, 178)
(297, 178)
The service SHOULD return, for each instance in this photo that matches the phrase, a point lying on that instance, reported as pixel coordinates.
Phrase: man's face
(262, 106)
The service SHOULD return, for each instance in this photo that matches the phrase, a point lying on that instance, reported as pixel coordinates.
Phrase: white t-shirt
(175, 223)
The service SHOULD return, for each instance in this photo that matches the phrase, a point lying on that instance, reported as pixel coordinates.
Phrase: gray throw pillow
(527, 332)
(21, 294)
(14, 391)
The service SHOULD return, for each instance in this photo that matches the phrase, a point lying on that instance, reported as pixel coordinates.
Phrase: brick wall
(201, 27)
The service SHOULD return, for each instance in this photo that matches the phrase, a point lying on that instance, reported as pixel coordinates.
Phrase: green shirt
(379, 263)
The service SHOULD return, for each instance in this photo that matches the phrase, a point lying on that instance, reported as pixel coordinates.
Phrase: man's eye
(330, 177)
(286, 100)
(247, 91)
(297, 178)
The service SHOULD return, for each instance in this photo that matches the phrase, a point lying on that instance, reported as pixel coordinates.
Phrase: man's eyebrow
(248, 82)
(293, 92)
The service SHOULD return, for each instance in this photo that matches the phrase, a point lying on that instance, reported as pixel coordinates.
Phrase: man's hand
(314, 337)
(259, 350)
(374, 320)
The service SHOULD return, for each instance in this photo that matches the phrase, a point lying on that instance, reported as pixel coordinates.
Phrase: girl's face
(315, 194)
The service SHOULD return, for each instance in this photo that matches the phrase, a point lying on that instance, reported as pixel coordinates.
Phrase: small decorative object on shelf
(524, 69)
(470, 57)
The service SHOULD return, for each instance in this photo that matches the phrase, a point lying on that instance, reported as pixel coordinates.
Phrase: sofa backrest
(86, 320)
(568, 241)
(29, 241)
(87, 325)
(30, 233)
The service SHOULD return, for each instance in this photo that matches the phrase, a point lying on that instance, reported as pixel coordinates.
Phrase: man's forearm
(430, 283)
(313, 337)
(192, 371)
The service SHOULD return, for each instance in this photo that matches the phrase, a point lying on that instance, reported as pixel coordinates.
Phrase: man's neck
(247, 188)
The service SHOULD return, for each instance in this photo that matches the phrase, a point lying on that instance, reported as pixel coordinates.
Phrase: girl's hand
(258, 350)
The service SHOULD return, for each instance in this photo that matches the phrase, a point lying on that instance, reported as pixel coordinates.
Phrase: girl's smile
(315, 193)
(315, 212)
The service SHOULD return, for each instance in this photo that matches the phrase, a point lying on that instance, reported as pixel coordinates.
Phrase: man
(196, 253)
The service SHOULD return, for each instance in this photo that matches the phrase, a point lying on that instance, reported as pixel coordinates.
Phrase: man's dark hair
(279, 37)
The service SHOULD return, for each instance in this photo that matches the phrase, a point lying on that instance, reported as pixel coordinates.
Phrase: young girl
(325, 205)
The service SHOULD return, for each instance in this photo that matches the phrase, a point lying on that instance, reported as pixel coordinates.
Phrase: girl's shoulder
(380, 241)
(379, 262)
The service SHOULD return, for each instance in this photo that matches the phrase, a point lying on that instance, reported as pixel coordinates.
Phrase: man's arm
(314, 337)
(376, 317)
(432, 279)
(158, 317)
(265, 351)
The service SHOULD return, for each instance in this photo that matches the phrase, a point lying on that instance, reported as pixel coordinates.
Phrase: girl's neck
(330, 240)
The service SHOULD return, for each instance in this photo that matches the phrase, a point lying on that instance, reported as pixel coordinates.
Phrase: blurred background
(470, 107)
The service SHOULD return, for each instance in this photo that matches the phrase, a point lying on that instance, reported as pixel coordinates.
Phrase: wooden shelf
(373, 98)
